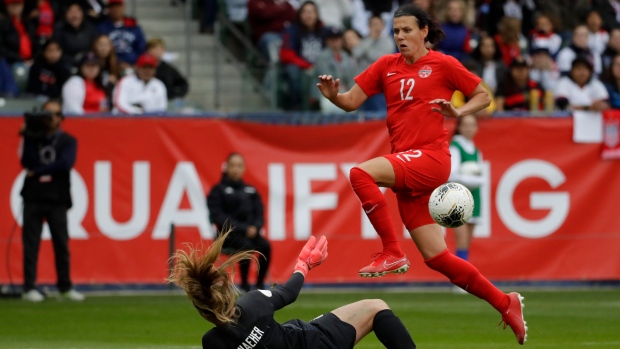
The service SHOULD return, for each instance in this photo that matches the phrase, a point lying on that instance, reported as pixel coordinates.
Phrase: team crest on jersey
(425, 71)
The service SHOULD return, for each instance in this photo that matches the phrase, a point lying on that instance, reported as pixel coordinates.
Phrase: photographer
(48, 156)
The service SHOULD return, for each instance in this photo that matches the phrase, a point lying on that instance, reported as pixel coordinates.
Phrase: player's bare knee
(377, 305)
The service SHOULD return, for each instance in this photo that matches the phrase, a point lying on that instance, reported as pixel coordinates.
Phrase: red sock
(376, 208)
(467, 277)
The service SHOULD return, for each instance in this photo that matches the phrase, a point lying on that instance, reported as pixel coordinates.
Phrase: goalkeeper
(248, 322)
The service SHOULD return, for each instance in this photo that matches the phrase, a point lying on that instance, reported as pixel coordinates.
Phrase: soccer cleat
(385, 264)
(72, 295)
(33, 296)
(513, 317)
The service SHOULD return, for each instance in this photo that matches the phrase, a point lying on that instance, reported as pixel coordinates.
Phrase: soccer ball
(470, 168)
(451, 205)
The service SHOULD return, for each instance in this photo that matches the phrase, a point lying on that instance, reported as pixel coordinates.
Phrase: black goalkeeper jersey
(256, 327)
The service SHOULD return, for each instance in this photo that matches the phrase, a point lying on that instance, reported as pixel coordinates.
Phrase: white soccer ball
(470, 168)
(451, 205)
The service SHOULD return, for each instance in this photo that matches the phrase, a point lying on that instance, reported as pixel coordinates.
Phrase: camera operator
(48, 155)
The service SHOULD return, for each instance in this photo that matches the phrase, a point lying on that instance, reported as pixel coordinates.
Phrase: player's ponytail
(435, 33)
(208, 281)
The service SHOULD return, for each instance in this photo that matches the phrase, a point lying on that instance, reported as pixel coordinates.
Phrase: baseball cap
(518, 62)
(333, 33)
(146, 60)
(89, 58)
(539, 49)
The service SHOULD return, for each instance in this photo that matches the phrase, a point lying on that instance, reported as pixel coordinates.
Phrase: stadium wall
(549, 205)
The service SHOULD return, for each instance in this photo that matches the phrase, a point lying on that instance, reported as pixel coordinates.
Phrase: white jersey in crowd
(593, 91)
(133, 96)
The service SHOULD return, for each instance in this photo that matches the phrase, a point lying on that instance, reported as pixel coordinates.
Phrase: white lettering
(184, 180)
(558, 203)
(103, 201)
(305, 200)
(277, 202)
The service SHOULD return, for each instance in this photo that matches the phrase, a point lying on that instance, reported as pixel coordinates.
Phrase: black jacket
(46, 79)
(51, 159)
(235, 203)
(9, 38)
(176, 85)
(75, 42)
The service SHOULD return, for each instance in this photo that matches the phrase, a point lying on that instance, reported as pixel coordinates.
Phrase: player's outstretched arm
(347, 101)
(312, 255)
(478, 100)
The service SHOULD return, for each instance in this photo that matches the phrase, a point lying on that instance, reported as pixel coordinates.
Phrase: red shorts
(418, 173)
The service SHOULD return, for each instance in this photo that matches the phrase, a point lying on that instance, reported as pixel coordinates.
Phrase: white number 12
(410, 83)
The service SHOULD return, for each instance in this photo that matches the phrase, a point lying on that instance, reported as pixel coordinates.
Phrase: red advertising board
(549, 204)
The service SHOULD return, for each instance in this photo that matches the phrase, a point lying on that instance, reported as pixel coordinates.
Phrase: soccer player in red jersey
(418, 84)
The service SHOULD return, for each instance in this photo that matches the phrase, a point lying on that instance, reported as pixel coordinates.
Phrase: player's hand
(444, 108)
(312, 254)
(328, 86)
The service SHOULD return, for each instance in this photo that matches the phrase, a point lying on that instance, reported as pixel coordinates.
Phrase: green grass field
(562, 319)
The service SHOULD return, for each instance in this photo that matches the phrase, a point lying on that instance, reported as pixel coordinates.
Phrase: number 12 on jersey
(410, 82)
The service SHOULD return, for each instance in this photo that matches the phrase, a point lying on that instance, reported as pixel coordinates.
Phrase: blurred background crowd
(532, 55)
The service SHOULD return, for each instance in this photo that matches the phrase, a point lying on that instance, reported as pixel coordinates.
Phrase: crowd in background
(87, 52)
(532, 55)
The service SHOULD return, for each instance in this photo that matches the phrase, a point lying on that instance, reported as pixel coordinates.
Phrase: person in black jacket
(18, 35)
(248, 322)
(176, 85)
(74, 33)
(48, 157)
(48, 72)
(234, 203)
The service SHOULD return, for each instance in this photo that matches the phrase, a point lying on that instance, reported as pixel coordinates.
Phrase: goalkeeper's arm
(312, 255)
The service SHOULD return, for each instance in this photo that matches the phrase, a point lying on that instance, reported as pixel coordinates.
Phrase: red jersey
(408, 90)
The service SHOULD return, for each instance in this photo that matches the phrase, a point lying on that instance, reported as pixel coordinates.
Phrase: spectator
(125, 33)
(609, 11)
(374, 45)
(47, 158)
(459, 99)
(458, 35)
(489, 65)
(577, 48)
(544, 36)
(302, 42)
(49, 71)
(45, 15)
(517, 92)
(8, 87)
(367, 52)
(544, 70)
(175, 83)
(141, 92)
(335, 13)
(612, 82)
(235, 203)
(597, 38)
(509, 39)
(268, 19)
(74, 34)
(84, 92)
(364, 9)
(521, 11)
(18, 36)
(581, 90)
(110, 69)
(208, 16)
(612, 49)
(334, 60)
(351, 39)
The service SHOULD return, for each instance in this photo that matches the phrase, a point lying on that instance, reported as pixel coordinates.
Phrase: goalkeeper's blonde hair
(208, 281)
